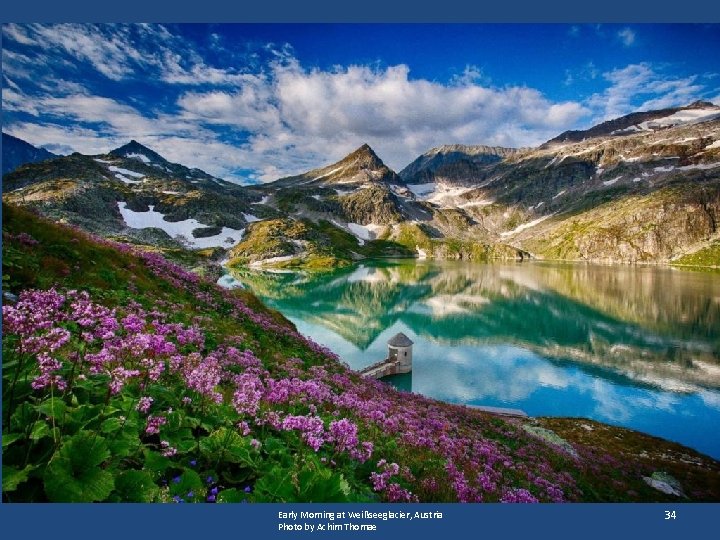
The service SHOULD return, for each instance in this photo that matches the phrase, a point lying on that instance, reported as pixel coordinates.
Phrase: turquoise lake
(637, 347)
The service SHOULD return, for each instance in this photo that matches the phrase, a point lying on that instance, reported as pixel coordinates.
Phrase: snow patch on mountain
(126, 172)
(126, 179)
(271, 260)
(524, 226)
(324, 175)
(422, 190)
(365, 232)
(141, 157)
(179, 230)
(684, 117)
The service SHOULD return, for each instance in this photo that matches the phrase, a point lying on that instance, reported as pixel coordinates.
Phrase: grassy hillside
(127, 378)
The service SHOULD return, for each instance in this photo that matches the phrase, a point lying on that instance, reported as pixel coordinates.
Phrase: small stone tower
(400, 349)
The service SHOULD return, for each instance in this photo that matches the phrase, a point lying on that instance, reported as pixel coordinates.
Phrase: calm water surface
(636, 347)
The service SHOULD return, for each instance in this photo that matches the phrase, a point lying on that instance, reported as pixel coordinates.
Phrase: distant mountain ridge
(642, 188)
(16, 152)
(436, 161)
(625, 124)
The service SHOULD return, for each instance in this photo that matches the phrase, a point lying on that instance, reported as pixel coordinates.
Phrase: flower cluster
(330, 408)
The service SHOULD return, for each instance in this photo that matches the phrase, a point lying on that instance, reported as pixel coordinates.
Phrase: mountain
(16, 152)
(359, 167)
(455, 162)
(699, 111)
(134, 193)
(643, 188)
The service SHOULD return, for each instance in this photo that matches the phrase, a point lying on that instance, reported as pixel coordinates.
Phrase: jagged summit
(358, 167)
(471, 150)
(135, 150)
(16, 152)
(453, 160)
(698, 111)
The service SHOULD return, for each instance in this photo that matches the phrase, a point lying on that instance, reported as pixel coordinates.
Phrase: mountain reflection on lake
(632, 346)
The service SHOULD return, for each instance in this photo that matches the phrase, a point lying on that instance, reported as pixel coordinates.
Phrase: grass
(708, 256)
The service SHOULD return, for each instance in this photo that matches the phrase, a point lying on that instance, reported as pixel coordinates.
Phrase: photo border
(175, 522)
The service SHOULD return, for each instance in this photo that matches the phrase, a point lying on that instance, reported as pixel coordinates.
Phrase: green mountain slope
(127, 378)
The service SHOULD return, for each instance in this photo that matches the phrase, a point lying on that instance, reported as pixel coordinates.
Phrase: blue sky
(252, 103)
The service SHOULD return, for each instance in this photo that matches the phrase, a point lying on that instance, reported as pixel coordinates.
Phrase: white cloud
(123, 51)
(297, 114)
(63, 139)
(108, 48)
(641, 87)
(266, 112)
(626, 36)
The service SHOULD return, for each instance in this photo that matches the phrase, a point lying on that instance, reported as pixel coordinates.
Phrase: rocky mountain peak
(698, 111)
(16, 152)
(361, 165)
(136, 150)
(362, 158)
(699, 104)
(452, 160)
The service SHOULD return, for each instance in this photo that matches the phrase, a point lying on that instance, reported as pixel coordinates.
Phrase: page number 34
(670, 514)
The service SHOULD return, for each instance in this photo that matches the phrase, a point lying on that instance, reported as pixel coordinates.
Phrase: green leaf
(7, 366)
(322, 485)
(155, 462)
(226, 445)
(231, 496)
(84, 414)
(276, 486)
(52, 407)
(40, 429)
(111, 425)
(190, 482)
(12, 477)
(9, 438)
(182, 439)
(74, 473)
(136, 486)
(124, 443)
(22, 416)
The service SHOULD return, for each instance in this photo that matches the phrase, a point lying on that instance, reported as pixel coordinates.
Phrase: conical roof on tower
(400, 340)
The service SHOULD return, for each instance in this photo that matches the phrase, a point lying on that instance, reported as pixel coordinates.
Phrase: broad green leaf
(156, 462)
(123, 443)
(111, 425)
(321, 485)
(226, 445)
(231, 496)
(22, 417)
(74, 473)
(83, 415)
(276, 486)
(40, 429)
(136, 486)
(9, 438)
(189, 482)
(52, 407)
(7, 366)
(12, 477)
